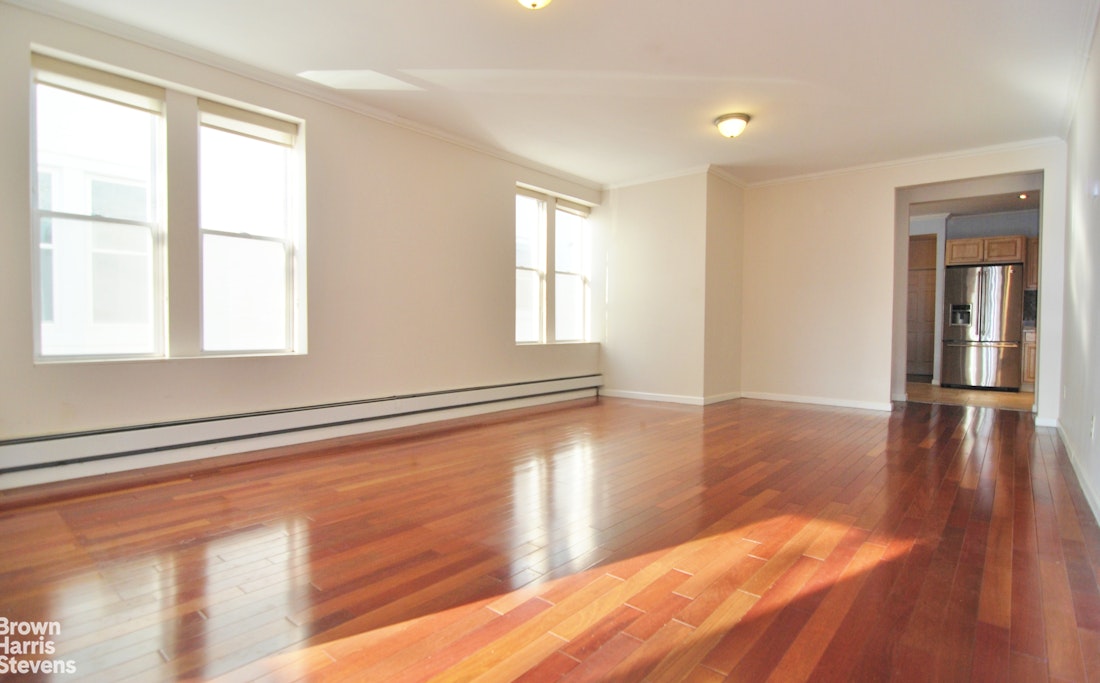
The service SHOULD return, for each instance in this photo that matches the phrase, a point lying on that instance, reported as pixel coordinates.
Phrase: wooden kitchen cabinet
(1031, 264)
(973, 250)
(1030, 364)
(964, 251)
(1009, 249)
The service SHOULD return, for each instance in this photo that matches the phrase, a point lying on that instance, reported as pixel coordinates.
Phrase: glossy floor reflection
(602, 540)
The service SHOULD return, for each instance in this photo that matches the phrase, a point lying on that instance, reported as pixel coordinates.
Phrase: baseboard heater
(308, 423)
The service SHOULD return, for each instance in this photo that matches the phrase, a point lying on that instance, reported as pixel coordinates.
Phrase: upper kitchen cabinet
(964, 251)
(971, 250)
(1031, 264)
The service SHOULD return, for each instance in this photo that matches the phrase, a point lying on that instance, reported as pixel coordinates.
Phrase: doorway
(978, 218)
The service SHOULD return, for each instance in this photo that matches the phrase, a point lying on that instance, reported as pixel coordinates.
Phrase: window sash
(98, 268)
(236, 318)
(238, 301)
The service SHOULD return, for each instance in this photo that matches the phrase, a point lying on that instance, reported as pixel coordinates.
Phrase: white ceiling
(617, 91)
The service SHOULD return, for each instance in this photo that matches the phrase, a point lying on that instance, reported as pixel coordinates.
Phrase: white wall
(1081, 344)
(825, 273)
(411, 265)
(654, 336)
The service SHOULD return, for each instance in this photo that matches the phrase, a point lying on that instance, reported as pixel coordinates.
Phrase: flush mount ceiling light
(731, 125)
(535, 4)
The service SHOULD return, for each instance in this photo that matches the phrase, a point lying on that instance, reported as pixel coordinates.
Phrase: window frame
(550, 205)
(177, 306)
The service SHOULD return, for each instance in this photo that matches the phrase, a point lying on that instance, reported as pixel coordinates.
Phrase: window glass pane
(119, 288)
(45, 274)
(243, 184)
(570, 242)
(244, 294)
(119, 200)
(84, 140)
(97, 289)
(528, 232)
(45, 250)
(528, 300)
(122, 274)
(45, 193)
(569, 307)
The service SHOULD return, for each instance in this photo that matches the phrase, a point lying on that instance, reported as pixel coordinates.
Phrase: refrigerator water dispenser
(960, 315)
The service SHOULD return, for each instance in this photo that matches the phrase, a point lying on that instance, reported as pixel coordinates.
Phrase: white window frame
(177, 289)
(549, 206)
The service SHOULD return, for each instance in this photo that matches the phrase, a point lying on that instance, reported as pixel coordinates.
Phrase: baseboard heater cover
(54, 450)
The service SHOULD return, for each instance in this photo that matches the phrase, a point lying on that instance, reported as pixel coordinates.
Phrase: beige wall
(653, 345)
(410, 257)
(819, 258)
(1081, 345)
(722, 328)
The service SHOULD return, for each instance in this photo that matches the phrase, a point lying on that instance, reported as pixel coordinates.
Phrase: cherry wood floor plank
(595, 668)
(1065, 660)
(800, 661)
(602, 539)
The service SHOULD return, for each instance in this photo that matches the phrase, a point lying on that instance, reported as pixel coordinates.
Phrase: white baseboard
(55, 458)
(648, 396)
(720, 398)
(700, 400)
(819, 400)
(671, 398)
(1091, 494)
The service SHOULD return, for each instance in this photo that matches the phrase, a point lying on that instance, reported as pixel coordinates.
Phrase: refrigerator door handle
(982, 275)
(992, 345)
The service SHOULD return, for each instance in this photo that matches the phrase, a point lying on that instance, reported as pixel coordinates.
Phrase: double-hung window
(553, 265)
(98, 213)
(103, 286)
(248, 245)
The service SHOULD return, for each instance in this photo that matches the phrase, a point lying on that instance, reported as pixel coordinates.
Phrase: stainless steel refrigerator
(983, 317)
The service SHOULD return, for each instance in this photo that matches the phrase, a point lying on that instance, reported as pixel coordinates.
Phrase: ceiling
(619, 91)
(983, 204)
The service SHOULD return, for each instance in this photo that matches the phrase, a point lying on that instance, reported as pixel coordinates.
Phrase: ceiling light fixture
(535, 4)
(731, 125)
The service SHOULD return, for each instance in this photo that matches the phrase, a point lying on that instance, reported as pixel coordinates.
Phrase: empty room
(493, 340)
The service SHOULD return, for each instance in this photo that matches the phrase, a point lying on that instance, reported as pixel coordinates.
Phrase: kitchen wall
(1081, 344)
(994, 224)
(411, 263)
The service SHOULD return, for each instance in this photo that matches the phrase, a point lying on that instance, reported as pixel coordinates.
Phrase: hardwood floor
(604, 540)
